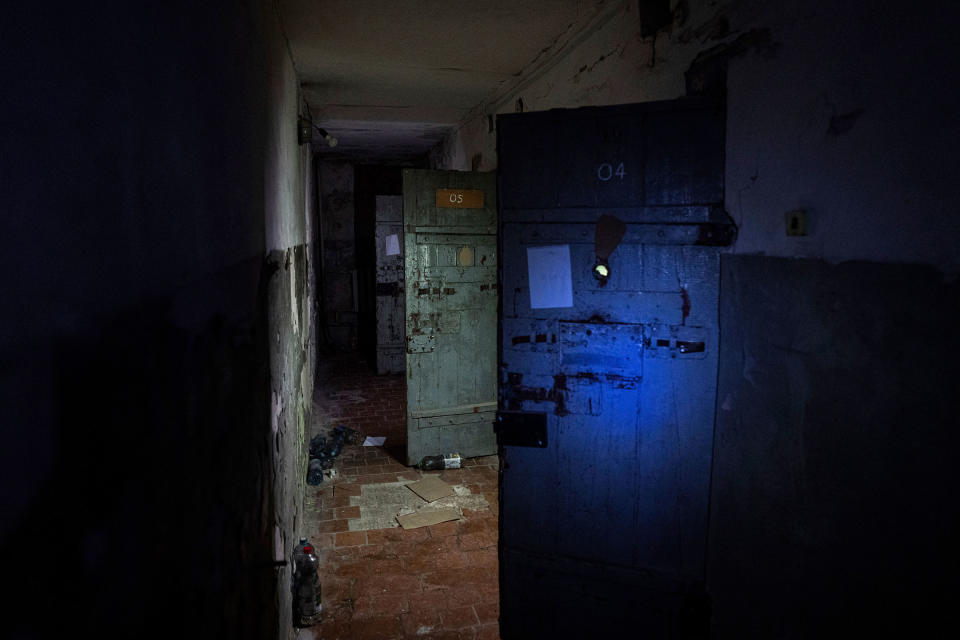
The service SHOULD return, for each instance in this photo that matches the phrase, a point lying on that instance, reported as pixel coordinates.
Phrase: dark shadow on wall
(154, 518)
(834, 506)
(133, 347)
(369, 182)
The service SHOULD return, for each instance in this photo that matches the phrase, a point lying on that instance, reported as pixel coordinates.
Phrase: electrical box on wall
(796, 222)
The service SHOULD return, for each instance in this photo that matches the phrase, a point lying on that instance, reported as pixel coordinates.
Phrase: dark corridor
(186, 217)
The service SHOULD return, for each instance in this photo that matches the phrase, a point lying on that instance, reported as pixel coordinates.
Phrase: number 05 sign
(460, 198)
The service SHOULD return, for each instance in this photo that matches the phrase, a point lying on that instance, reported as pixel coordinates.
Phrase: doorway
(379, 579)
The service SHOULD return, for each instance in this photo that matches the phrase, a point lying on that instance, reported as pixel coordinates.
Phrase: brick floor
(383, 584)
(349, 393)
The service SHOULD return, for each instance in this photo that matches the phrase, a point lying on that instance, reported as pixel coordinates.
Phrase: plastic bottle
(315, 472)
(306, 584)
(441, 462)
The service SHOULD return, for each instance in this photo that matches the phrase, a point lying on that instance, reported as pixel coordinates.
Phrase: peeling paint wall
(157, 320)
(288, 246)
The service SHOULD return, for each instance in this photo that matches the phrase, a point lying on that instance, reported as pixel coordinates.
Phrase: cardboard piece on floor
(374, 441)
(427, 517)
(431, 488)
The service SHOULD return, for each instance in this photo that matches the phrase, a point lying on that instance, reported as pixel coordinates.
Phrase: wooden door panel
(451, 317)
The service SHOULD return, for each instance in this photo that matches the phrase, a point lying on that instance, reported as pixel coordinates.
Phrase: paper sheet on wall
(393, 245)
(549, 271)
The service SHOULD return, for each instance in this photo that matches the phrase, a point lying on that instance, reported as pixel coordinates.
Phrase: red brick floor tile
(343, 554)
(398, 538)
(450, 634)
(473, 525)
(433, 601)
(489, 612)
(444, 577)
(340, 502)
(420, 622)
(346, 490)
(380, 606)
(346, 513)
(395, 584)
(338, 629)
(453, 560)
(417, 564)
(351, 538)
(376, 551)
(481, 540)
(324, 514)
(459, 617)
(465, 595)
(488, 632)
(332, 526)
(322, 540)
(443, 529)
(378, 628)
(335, 588)
(440, 579)
(481, 558)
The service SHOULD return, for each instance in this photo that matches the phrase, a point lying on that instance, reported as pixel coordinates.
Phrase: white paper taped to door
(548, 269)
(393, 245)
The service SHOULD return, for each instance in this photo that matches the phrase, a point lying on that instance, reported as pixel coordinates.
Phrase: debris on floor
(379, 579)
(427, 517)
(315, 472)
(379, 504)
(324, 449)
(431, 488)
(441, 462)
(350, 436)
(374, 441)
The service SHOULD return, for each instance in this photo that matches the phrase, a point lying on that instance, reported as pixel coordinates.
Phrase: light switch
(796, 222)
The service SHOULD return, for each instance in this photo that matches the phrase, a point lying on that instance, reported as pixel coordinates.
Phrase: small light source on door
(601, 271)
(607, 236)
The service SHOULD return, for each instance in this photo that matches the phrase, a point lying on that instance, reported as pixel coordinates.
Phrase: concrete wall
(832, 508)
(833, 107)
(155, 308)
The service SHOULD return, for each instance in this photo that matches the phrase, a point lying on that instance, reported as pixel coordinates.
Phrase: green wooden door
(451, 312)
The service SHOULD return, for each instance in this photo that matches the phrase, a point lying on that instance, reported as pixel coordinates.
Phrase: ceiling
(389, 78)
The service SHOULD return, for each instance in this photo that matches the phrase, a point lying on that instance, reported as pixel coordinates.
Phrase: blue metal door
(606, 515)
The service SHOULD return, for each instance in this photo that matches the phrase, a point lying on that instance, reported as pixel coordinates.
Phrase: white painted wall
(882, 191)
(283, 176)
